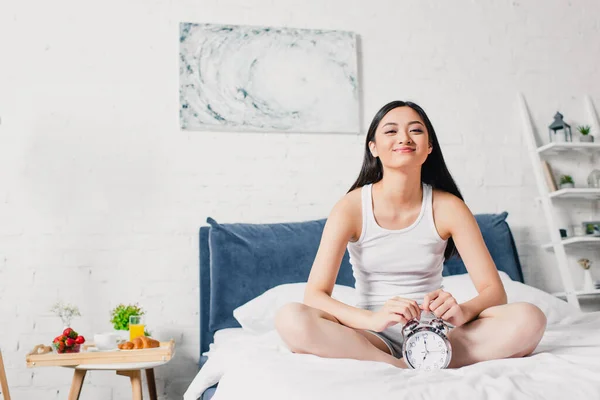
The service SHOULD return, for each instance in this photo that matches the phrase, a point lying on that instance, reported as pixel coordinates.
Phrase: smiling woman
(400, 220)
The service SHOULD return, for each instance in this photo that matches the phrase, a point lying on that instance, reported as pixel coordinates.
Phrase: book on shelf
(549, 176)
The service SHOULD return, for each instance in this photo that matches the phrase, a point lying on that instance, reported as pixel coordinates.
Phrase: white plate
(95, 349)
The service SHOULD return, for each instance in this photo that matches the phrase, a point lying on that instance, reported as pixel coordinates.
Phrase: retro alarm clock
(426, 346)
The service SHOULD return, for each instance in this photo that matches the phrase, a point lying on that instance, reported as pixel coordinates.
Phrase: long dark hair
(433, 171)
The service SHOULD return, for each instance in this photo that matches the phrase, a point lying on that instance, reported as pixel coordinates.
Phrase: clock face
(427, 351)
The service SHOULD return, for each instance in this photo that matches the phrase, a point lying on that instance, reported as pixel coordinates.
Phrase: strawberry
(63, 338)
(69, 342)
(67, 331)
(61, 346)
(80, 340)
(73, 334)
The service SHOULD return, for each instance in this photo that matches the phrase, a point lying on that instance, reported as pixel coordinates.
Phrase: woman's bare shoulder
(347, 212)
(448, 201)
(441, 197)
(446, 206)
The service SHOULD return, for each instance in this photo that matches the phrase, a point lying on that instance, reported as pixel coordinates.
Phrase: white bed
(565, 365)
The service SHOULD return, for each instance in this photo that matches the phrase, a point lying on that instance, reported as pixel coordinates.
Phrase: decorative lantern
(557, 125)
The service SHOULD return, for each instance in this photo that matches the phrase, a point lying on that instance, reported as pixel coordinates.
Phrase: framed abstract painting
(261, 79)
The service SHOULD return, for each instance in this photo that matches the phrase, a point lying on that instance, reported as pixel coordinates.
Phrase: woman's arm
(339, 229)
(456, 219)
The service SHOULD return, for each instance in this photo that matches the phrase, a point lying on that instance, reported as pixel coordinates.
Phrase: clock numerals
(426, 351)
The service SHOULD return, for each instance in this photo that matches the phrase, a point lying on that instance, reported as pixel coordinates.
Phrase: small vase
(567, 185)
(588, 281)
(586, 138)
(593, 179)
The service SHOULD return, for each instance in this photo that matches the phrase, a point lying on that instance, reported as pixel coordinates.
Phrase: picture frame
(550, 179)
(591, 228)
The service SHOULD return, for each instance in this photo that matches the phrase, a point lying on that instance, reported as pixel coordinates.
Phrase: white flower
(65, 311)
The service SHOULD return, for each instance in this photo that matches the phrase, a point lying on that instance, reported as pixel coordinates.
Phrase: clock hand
(426, 351)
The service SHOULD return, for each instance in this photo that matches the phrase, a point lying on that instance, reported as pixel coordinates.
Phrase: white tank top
(404, 262)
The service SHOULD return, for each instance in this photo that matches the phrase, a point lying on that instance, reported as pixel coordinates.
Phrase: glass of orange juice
(136, 326)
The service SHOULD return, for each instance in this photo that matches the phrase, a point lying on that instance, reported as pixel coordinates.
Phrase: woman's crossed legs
(509, 330)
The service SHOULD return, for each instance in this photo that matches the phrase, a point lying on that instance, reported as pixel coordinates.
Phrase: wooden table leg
(76, 384)
(136, 382)
(4, 381)
(151, 383)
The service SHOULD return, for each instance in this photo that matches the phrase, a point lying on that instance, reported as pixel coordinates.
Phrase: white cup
(106, 341)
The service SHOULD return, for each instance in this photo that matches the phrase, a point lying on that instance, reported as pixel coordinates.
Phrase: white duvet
(565, 365)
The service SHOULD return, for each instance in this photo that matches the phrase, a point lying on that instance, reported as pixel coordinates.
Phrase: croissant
(126, 346)
(149, 343)
(144, 342)
(141, 342)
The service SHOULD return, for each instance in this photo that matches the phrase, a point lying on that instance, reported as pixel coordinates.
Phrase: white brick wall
(101, 194)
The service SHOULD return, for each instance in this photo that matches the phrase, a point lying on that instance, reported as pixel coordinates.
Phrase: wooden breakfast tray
(41, 357)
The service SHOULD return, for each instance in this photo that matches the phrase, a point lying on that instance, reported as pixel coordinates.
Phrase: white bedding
(225, 336)
(566, 365)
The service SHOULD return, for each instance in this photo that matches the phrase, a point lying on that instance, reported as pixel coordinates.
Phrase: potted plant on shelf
(566, 182)
(585, 133)
(120, 318)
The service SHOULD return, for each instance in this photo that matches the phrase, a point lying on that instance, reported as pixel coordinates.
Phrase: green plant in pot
(585, 133)
(566, 182)
(120, 318)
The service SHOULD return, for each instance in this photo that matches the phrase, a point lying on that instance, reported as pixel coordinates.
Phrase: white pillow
(258, 314)
(462, 288)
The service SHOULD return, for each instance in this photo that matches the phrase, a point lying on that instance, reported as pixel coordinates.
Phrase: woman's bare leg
(308, 330)
(506, 331)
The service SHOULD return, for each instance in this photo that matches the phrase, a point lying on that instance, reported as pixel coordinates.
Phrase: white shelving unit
(575, 241)
(579, 293)
(591, 194)
(558, 244)
(552, 149)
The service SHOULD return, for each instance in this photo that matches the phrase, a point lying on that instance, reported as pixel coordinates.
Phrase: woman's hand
(396, 310)
(444, 306)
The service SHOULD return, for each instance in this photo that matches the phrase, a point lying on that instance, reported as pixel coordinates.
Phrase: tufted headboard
(241, 261)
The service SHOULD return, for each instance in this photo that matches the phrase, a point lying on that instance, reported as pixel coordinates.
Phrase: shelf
(570, 151)
(560, 147)
(578, 293)
(584, 193)
(577, 240)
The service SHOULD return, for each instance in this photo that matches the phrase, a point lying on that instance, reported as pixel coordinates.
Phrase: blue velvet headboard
(241, 261)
